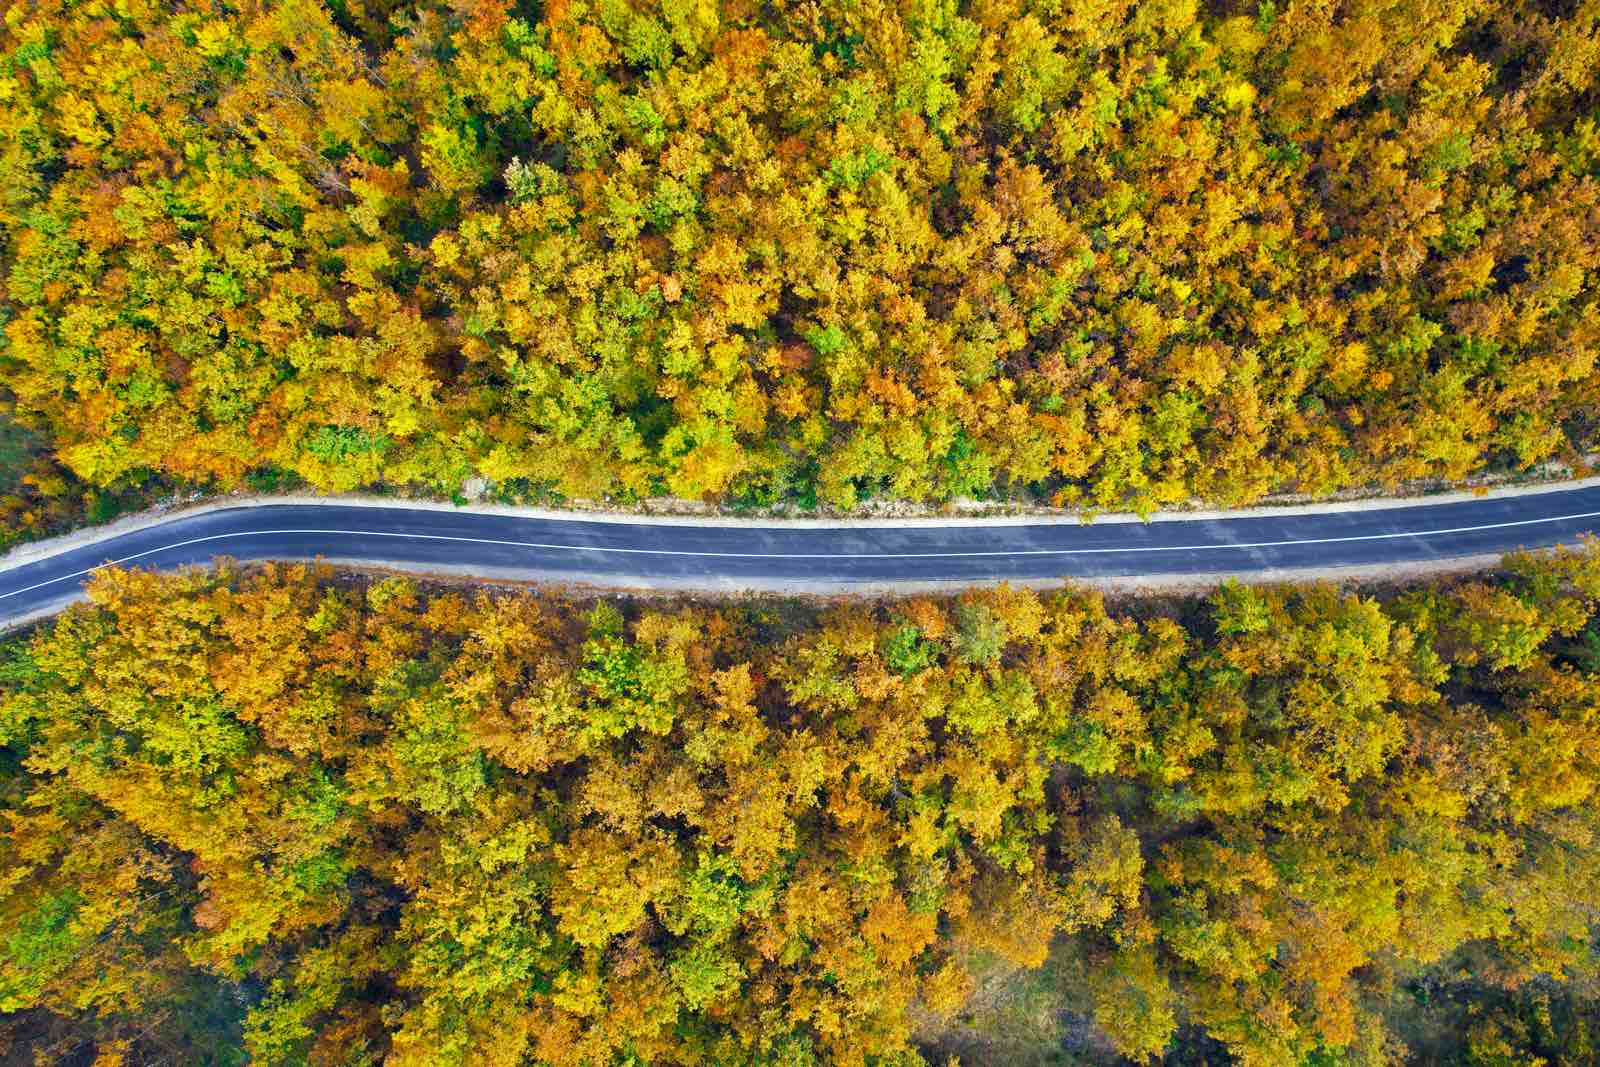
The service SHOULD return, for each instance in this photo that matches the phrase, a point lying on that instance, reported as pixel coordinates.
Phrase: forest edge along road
(778, 556)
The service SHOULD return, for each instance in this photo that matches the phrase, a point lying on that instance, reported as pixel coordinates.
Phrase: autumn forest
(281, 816)
(805, 255)
(1100, 253)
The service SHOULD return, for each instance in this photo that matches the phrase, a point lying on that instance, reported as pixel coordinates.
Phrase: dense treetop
(1120, 253)
(342, 822)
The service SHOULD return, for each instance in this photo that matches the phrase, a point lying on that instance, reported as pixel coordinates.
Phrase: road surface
(808, 556)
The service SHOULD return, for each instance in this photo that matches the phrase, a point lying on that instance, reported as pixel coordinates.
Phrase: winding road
(808, 556)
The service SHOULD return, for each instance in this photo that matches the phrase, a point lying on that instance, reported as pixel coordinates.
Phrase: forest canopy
(307, 819)
(1109, 254)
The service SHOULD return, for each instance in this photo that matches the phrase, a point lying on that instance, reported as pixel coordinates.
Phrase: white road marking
(812, 555)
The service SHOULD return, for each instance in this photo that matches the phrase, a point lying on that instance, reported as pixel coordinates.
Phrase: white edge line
(1113, 550)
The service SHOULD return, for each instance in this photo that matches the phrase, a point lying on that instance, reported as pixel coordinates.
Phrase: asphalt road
(802, 556)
